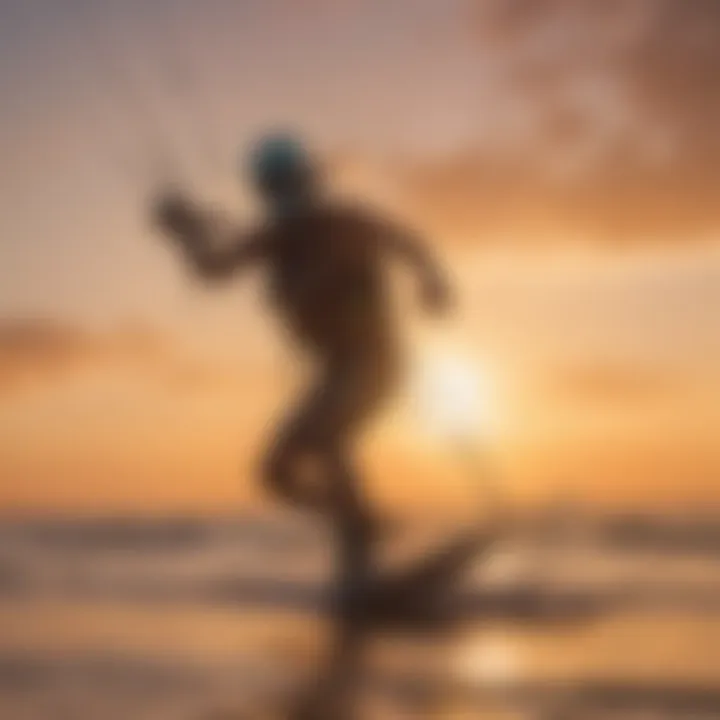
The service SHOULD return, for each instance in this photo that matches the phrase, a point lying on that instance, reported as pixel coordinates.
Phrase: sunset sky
(562, 157)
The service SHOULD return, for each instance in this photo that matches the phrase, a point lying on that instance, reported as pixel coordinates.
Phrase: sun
(452, 392)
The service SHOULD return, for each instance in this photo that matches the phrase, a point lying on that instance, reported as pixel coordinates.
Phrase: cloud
(596, 120)
(43, 351)
(618, 106)
(616, 384)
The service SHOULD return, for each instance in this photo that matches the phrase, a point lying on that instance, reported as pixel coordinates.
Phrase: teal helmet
(281, 167)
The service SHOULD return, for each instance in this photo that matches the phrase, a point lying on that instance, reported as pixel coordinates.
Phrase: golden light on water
(493, 660)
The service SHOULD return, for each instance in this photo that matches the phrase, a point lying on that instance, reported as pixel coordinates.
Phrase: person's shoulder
(352, 213)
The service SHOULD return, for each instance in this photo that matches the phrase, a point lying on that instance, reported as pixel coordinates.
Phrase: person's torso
(327, 279)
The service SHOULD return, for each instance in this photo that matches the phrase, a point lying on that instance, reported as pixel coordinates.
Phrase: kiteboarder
(326, 261)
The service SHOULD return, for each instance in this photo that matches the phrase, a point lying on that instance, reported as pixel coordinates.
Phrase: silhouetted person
(326, 262)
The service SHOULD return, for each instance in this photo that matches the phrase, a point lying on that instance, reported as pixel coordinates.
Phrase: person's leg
(333, 695)
(281, 471)
(327, 426)
(308, 463)
(291, 466)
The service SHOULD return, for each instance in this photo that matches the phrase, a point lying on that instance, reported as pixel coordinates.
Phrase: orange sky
(562, 162)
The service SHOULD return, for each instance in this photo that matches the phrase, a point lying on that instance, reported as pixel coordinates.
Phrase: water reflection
(229, 616)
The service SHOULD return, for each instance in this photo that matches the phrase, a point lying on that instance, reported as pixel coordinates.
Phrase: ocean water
(187, 618)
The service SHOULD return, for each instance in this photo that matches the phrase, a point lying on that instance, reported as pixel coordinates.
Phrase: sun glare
(452, 393)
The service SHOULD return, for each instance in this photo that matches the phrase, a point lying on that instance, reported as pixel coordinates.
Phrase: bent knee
(275, 472)
(284, 471)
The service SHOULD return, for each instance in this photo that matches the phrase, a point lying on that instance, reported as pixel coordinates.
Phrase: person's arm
(414, 251)
(194, 234)
(215, 264)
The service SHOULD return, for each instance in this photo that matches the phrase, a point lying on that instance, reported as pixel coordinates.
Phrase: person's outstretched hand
(176, 216)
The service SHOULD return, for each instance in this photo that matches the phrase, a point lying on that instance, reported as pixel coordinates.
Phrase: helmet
(281, 167)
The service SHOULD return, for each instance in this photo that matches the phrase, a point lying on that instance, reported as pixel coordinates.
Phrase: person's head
(282, 171)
